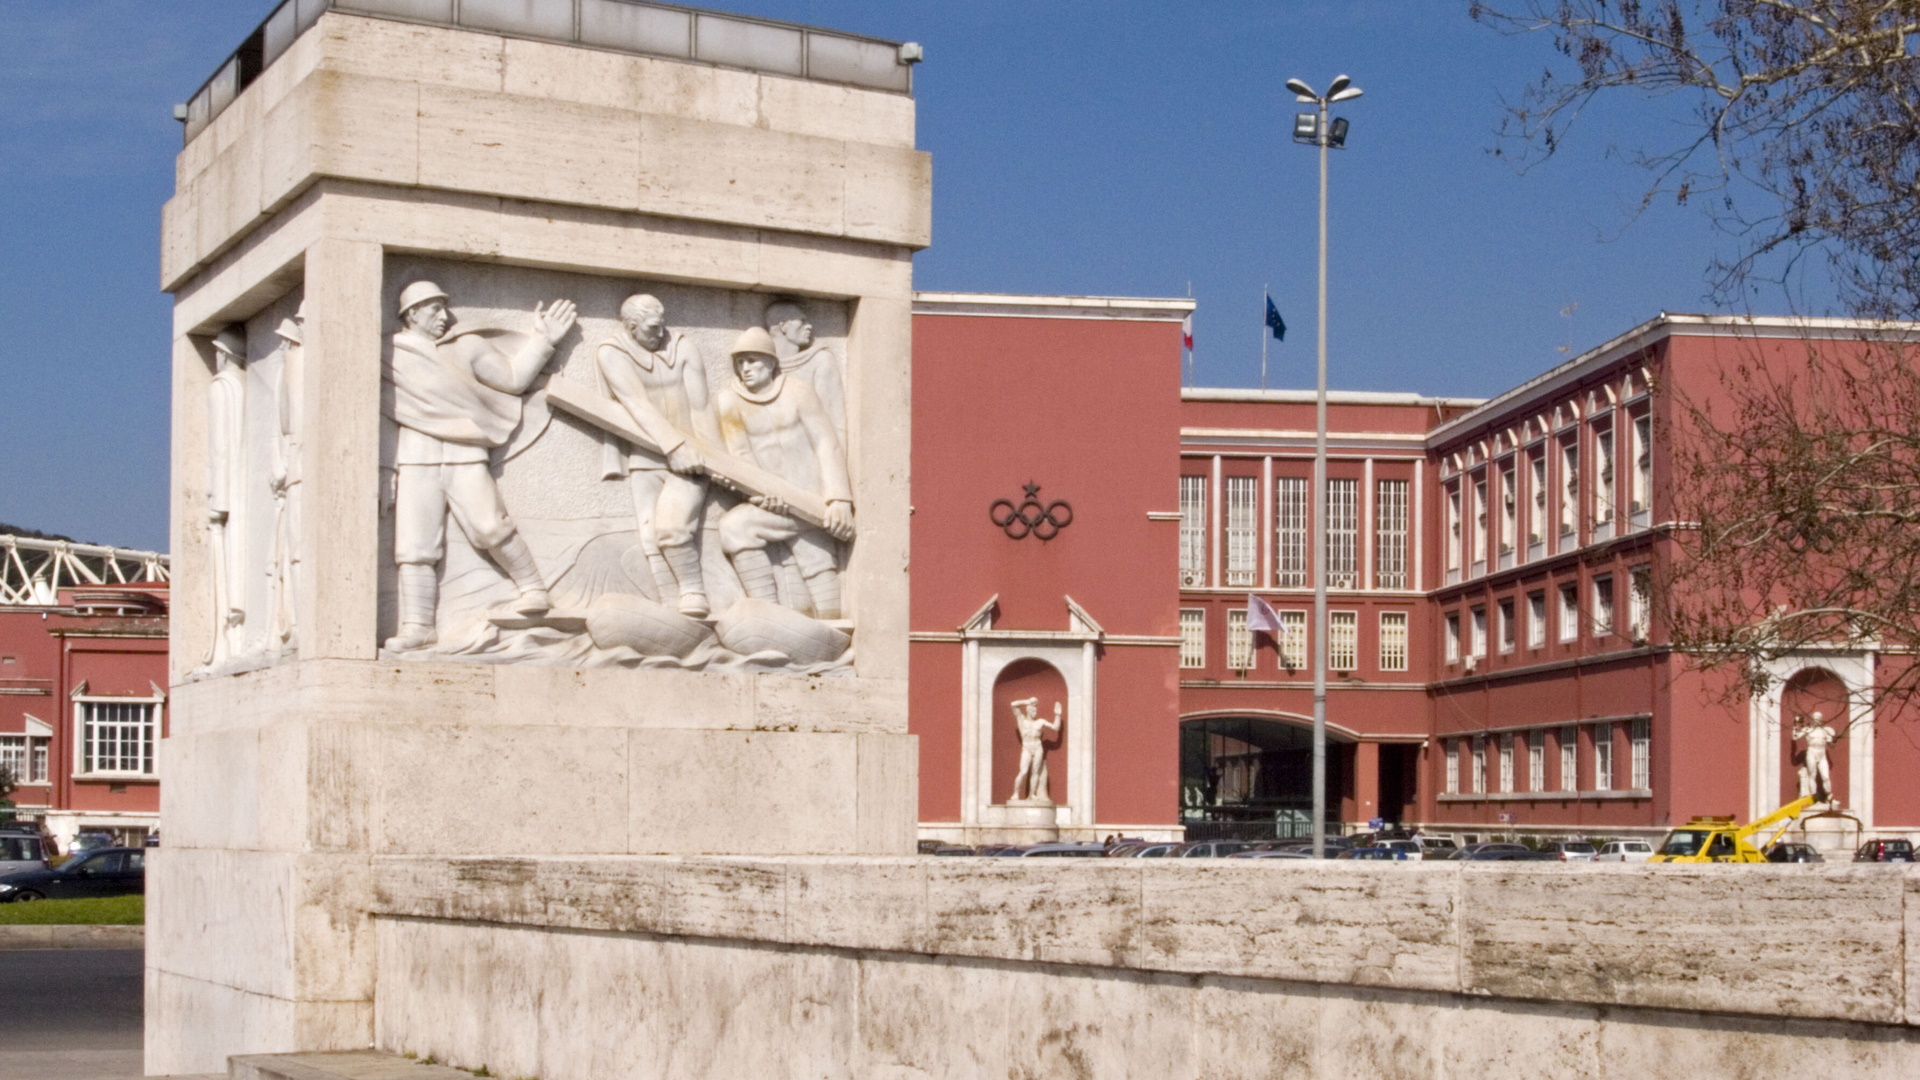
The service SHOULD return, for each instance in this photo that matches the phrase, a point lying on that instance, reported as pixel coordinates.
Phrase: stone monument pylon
(568, 475)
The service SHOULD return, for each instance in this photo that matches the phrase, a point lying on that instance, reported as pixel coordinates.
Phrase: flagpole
(1266, 298)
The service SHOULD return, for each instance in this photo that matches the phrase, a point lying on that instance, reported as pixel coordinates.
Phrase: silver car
(21, 851)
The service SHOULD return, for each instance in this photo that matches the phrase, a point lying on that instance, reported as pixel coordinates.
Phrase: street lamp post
(1313, 128)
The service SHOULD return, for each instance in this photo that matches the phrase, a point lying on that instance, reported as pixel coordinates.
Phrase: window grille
(1290, 533)
(1642, 462)
(1193, 638)
(1536, 760)
(1343, 640)
(1453, 636)
(1393, 641)
(1642, 763)
(1506, 764)
(1479, 778)
(1343, 534)
(1509, 509)
(1239, 641)
(1453, 766)
(1537, 520)
(117, 737)
(1603, 757)
(1506, 626)
(1603, 496)
(1569, 612)
(1293, 639)
(1569, 759)
(1479, 631)
(1193, 532)
(1569, 488)
(1602, 606)
(1243, 530)
(1536, 620)
(1390, 535)
(1640, 603)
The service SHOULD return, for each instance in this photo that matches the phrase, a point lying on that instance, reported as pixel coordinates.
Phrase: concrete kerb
(14, 938)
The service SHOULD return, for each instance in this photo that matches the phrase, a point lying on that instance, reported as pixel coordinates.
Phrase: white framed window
(1537, 483)
(1569, 759)
(1193, 637)
(1569, 489)
(1603, 757)
(1477, 543)
(1454, 534)
(1390, 534)
(1603, 605)
(1343, 640)
(1239, 641)
(1343, 534)
(1509, 508)
(1642, 749)
(1641, 495)
(1536, 620)
(116, 736)
(1536, 760)
(1569, 612)
(37, 760)
(1290, 533)
(1193, 532)
(1479, 631)
(1453, 637)
(1603, 494)
(1453, 766)
(1640, 603)
(1506, 625)
(13, 757)
(1293, 639)
(1243, 531)
(1506, 764)
(1479, 777)
(1393, 641)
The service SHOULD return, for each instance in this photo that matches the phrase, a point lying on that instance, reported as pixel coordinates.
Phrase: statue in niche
(1030, 785)
(658, 377)
(780, 425)
(455, 398)
(801, 358)
(1816, 771)
(285, 477)
(226, 486)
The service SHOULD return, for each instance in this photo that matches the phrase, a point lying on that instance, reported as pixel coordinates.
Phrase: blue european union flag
(1274, 320)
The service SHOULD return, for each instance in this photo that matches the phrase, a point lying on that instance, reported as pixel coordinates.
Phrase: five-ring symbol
(1031, 516)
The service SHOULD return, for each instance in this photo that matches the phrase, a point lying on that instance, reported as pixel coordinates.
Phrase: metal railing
(640, 27)
(34, 570)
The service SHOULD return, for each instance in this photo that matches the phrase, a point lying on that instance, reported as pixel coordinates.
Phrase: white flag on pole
(1262, 617)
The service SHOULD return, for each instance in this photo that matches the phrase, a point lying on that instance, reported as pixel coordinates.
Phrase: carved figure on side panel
(455, 399)
(226, 485)
(657, 375)
(1816, 774)
(816, 364)
(1031, 784)
(779, 424)
(284, 481)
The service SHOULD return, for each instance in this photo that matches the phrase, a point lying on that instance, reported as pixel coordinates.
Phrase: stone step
(338, 1065)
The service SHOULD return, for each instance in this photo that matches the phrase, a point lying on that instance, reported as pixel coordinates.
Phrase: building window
(116, 737)
(1569, 612)
(1393, 641)
(1453, 766)
(1569, 489)
(1243, 530)
(1453, 637)
(1343, 640)
(1479, 631)
(1479, 538)
(1193, 532)
(1479, 766)
(1343, 534)
(1293, 639)
(1390, 535)
(1603, 495)
(1642, 493)
(13, 757)
(1642, 763)
(1506, 764)
(1536, 620)
(1536, 760)
(1509, 509)
(1290, 533)
(1640, 603)
(1506, 625)
(1193, 638)
(1603, 757)
(1603, 605)
(1537, 519)
(1453, 532)
(1239, 641)
(1569, 759)
(37, 761)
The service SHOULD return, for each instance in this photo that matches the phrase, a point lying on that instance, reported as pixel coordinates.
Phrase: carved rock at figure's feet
(412, 636)
(752, 626)
(621, 620)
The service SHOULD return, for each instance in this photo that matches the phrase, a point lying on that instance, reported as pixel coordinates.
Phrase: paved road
(70, 1014)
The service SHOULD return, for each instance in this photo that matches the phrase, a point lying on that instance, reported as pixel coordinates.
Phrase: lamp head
(1348, 94)
(1304, 91)
(1306, 127)
(1337, 133)
(1339, 83)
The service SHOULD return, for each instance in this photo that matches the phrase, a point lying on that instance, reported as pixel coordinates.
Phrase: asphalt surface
(70, 1014)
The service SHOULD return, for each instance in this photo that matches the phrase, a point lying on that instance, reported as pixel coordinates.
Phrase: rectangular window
(1453, 766)
(1642, 763)
(1293, 639)
(1506, 764)
(37, 762)
(1479, 631)
(1390, 534)
(1536, 760)
(1536, 620)
(13, 757)
(1479, 766)
(1569, 612)
(1393, 641)
(1603, 757)
(1193, 532)
(1509, 509)
(1569, 759)
(1343, 640)
(1640, 603)
(1602, 606)
(1569, 489)
(1343, 534)
(117, 737)
(1239, 641)
(1478, 541)
(1537, 520)
(1642, 493)
(1506, 626)
(1193, 638)
(1454, 533)
(1290, 533)
(1243, 530)
(1603, 496)
(1453, 637)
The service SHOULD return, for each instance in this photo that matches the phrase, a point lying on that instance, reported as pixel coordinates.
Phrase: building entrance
(1248, 777)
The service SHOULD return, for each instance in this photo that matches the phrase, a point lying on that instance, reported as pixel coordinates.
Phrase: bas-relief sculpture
(226, 494)
(1031, 785)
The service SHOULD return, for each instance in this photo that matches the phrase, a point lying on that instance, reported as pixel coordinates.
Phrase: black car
(110, 872)
(1885, 851)
(1785, 852)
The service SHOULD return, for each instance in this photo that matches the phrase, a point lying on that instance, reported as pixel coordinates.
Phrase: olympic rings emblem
(1031, 517)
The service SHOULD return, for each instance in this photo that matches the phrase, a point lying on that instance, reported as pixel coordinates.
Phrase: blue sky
(1115, 147)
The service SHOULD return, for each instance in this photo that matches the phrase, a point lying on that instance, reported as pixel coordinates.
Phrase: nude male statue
(454, 400)
(1033, 755)
(226, 481)
(779, 424)
(1816, 776)
(658, 376)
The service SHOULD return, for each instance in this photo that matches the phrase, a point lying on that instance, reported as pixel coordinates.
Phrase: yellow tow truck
(1718, 839)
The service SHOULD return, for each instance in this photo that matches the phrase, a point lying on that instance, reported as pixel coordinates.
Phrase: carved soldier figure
(801, 358)
(1816, 776)
(226, 480)
(454, 399)
(780, 424)
(658, 376)
(1032, 775)
(285, 479)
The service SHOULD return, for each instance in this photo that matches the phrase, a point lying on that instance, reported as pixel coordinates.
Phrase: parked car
(89, 841)
(1410, 848)
(1485, 852)
(1625, 851)
(1072, 851)
(1785, 852)
(1437, 847)
(1153, 851)
(1271, 855)
(1885, 851)
(112, 872)
(20, 851)
(1212, 849)
(1379, 853)
(1571, 850)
